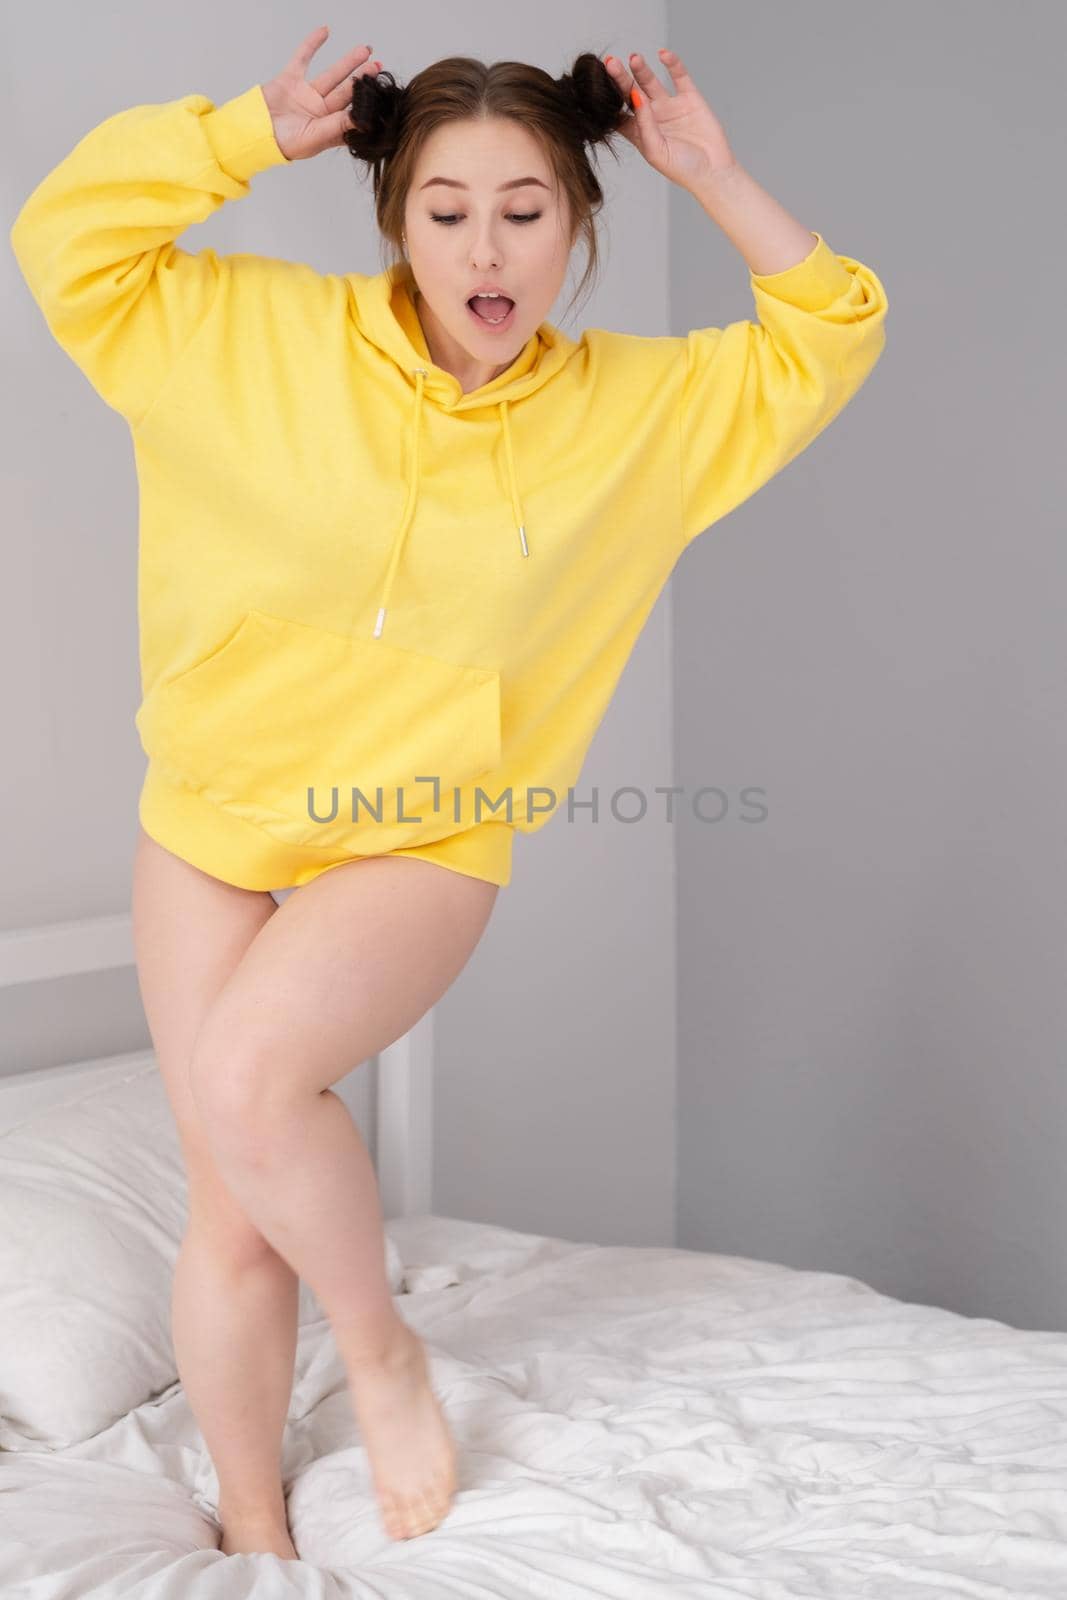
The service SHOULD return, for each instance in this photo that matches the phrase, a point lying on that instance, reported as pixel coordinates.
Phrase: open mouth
(492, 311)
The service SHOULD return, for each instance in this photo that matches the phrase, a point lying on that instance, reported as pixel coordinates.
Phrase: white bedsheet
(632, 1424)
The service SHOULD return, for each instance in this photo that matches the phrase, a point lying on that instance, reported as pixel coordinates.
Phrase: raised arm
(95, 239)
(755, 394)
(752, 394)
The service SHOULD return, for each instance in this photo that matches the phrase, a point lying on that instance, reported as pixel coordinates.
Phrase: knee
(218, 1224)
(234, 1084)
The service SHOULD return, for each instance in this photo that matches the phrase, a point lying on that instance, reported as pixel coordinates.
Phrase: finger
(643, 118)
(334, 77)
(343, 93)
(619, 73)
(305, 51)
(626, 87)
(335, 127)
(651, 87)
(676, 67)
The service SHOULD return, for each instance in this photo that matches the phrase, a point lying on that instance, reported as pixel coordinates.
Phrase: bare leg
(234, 1302)
(344, 967)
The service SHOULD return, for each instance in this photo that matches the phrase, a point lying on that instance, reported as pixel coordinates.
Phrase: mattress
(633, 1423)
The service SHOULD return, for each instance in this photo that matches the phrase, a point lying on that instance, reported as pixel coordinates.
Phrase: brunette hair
(581, 108)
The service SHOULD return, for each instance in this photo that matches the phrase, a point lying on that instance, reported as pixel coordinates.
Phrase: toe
(392, 1516)
(402, 1525)
(405, 1517)
(419, 1517)
(431, 1512)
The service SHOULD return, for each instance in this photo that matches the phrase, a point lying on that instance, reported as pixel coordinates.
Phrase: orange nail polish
(636, 96)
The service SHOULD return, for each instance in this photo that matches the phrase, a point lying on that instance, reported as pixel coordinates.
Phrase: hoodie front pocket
(283, 720)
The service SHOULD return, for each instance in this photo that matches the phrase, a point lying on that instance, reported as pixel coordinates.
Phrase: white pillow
(92, 1213)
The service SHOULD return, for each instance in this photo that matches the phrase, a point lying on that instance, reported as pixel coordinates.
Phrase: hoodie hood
(385, 315)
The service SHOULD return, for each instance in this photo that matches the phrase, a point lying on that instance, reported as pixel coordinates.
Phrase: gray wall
(872, 1007)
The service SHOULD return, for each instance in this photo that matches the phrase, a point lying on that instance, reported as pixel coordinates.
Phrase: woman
(399, 535)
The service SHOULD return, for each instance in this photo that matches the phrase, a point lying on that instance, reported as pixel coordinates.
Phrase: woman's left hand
(678, 134)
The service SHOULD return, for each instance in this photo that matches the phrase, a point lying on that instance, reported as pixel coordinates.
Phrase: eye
(513, 216)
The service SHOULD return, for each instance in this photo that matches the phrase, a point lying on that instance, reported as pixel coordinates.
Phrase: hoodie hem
(235, 851)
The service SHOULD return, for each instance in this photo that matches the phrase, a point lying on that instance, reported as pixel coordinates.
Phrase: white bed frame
(403, 1073)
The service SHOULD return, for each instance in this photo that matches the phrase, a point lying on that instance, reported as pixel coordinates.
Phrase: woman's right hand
(310, 117)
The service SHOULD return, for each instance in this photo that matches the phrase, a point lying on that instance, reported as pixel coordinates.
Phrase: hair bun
(600, 106)
(375, 110)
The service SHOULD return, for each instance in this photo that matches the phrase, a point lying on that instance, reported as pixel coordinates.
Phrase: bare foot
(256, 1533)
(412, 1456)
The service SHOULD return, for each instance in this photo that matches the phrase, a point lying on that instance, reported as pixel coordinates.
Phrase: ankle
(253, 1508)
(364, 1348)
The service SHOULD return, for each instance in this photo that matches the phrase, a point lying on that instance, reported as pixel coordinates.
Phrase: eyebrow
(513, 183)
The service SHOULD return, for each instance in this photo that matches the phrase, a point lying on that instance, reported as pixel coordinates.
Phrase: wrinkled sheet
(632, 1423)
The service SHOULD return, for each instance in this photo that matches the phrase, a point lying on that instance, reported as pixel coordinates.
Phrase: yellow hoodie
(378, 614)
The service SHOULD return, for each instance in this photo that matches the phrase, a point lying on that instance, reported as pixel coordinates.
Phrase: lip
(493, 327)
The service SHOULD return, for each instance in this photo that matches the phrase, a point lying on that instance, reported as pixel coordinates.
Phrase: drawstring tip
(522, 536)
(380, 624)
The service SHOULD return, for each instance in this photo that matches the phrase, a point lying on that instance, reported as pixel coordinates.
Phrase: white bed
(632, 1423)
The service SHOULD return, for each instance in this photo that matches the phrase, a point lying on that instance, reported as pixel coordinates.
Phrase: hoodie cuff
(812, 284)
(241, 134)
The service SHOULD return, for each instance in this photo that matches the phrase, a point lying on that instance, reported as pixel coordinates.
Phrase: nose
(485, 252)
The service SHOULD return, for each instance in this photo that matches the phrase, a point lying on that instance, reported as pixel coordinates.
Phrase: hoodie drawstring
(413, 493)
(516, 503)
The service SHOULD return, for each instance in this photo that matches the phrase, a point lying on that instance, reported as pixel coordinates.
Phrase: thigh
(190, 931)
(343, 968)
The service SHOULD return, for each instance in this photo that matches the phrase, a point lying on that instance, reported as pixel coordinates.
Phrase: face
(481, 227)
